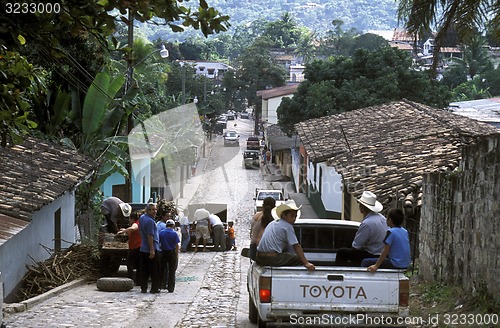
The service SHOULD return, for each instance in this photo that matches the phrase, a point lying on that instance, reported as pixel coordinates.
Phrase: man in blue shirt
(169, 244)
(149, 248)
(396, 254)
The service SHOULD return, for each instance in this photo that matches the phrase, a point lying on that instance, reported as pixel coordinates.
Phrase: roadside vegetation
(429, 299)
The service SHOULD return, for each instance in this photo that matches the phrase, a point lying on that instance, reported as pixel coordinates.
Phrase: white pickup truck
(261, 194)
(330, 295)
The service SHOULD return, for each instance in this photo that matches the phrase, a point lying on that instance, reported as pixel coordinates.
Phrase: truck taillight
(265, 289)
(404, 292)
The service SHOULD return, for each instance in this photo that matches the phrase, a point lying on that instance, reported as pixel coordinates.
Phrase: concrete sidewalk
(193, 183)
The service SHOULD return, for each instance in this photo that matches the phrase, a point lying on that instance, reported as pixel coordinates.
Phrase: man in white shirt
(185, 231)
(219, 235)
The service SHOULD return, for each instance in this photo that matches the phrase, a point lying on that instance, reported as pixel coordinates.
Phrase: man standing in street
(219, 236)
(134, 248)
(185, 231)
(202, 227)
(149, 247)
(169, 244)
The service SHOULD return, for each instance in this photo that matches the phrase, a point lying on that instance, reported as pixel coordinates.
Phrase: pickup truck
(218, 209)
(330, 295)
(253, 143)
(251, 159)
(261, 194)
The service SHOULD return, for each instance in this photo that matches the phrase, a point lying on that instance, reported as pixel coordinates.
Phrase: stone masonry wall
(460, 221)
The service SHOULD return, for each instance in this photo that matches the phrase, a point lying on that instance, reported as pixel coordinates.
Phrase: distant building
(212, 70)
(296, 73)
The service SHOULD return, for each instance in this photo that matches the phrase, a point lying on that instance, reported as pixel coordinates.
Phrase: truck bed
(277, 295)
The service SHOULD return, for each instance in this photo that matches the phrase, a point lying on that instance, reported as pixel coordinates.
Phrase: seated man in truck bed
(369, 240)
(279, 236)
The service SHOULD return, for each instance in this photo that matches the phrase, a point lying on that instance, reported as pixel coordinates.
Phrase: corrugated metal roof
(278, 92)
(484, 110)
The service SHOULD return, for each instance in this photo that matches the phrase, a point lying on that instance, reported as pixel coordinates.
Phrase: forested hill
(317, 15)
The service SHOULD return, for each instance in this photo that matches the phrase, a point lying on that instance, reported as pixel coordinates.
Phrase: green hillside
(316, 15)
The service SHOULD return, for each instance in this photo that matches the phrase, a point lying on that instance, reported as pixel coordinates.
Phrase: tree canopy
(465, 17)
(365, 79)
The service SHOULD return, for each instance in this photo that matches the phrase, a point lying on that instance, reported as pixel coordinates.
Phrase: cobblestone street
(210, 286)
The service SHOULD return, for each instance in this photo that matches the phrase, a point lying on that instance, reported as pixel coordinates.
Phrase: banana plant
(100, 120)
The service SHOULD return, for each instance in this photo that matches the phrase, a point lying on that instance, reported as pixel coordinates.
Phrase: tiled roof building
(387, 148)
(36, 173)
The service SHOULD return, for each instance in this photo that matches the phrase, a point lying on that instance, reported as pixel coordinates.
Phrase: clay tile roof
(387, 148)
(36, 173)
(278, 92)
(279, 140)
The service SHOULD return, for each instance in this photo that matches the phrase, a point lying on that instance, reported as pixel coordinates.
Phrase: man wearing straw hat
(369, 239)
(279, 236)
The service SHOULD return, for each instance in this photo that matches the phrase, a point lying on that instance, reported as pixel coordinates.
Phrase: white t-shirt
(214, 220)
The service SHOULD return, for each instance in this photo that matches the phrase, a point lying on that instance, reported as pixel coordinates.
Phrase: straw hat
(126, 209)
(369, 200)
(288, 205)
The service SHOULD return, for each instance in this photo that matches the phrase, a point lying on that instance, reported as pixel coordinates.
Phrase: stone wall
(460, 221)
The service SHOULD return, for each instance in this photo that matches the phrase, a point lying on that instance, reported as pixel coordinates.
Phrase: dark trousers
(219, 238)
(252, 253)
(167, 270)
(282, 259)
(133, 262)
(351, 257)
(149, 268)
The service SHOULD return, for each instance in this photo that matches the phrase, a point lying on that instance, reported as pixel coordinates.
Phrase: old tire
(108, 284)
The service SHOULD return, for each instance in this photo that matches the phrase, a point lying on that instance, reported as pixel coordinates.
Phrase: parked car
(231, 138)
(253, 143)
(251, 159)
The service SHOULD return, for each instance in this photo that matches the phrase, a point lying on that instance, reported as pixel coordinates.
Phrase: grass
(431, 298)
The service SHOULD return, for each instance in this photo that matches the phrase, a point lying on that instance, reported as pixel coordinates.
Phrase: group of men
(208, 223)
(153, 246)
(378, 243)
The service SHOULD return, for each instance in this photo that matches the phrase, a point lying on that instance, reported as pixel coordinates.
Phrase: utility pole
(130, 118)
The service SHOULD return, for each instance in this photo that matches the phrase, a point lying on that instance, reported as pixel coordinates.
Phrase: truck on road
(261, 194)
(330, 295)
